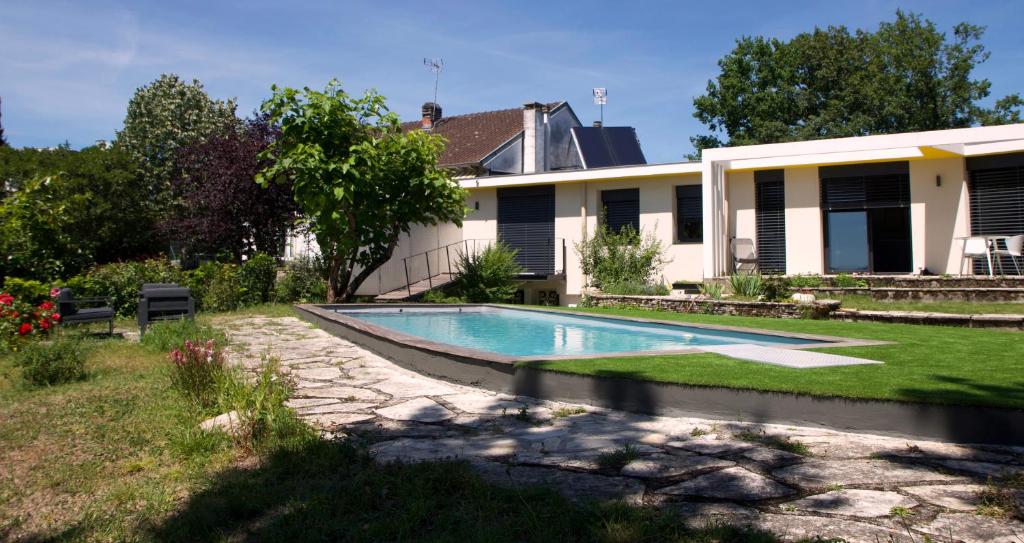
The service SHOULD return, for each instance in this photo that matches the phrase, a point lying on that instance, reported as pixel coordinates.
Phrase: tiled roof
(473, 136)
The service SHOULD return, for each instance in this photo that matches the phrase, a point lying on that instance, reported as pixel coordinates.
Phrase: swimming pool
(528, 333)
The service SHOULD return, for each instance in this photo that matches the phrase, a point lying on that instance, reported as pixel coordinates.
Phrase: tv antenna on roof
(434, 65)
(600, 99)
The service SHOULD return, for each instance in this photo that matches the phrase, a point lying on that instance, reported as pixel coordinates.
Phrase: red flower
(44, 324)
(6, 299)
(24, 329)
(46, 306)
(55, 317)
(54, 292)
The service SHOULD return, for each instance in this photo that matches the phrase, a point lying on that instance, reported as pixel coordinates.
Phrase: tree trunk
(357, 281)
(337, 279)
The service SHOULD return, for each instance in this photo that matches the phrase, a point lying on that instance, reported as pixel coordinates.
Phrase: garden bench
(72, 311)
(164, 301)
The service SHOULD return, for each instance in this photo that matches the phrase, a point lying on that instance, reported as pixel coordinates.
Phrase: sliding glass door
(866, 212)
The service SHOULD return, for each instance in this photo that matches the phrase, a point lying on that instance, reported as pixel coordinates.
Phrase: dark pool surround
(961, 424)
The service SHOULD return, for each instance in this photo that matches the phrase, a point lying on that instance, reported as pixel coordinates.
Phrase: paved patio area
(794, 481)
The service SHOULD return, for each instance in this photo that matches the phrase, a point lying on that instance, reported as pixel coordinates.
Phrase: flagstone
(419, 410)
(730, 484)
(853, 503)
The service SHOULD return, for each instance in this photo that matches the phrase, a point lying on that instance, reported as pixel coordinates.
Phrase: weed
(196, 371)
(52, 362)
(834, 487)
(618, 459)
(782, 443)
(562, 412)
(900, 511)
(167, 335)
(712, 290)
(698, 431)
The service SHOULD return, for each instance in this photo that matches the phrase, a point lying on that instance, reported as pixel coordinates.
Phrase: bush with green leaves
(55, 362)
(304, 281)
(627, 288)
(26, 290)
(746, 285)
(845, 280)
(439, 296)
(256, 277)
(805, 281)
(163, 336)
(487, 276)
(122, 281)
(623, 257)
(776, 288)
(216, 286)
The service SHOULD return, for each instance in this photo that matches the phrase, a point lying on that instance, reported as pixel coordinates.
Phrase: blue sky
(67, 70)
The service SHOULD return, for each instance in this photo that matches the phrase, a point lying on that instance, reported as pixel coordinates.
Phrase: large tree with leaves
(165, 116)
(3, 140)
(906, 76)
(359, 180)
(219, 205)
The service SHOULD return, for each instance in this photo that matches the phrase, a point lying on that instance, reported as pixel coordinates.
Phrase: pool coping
(421, 343)
(915, 420)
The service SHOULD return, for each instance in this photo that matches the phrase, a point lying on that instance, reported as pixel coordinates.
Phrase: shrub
(256, 277)
(627, 288)
(712, 290)
(304, 281)
(122, 281)
(216, 286)
(805, 281)
(746, 285)
(52, 362)
(845, 280)
(21, 322)
(438, 296)
(27, 290)
(263, 419)
(165, 335)
(197, 370)
(489, 275)
(620, 257)
(776, 288)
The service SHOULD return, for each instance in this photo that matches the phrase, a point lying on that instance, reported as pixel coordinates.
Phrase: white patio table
(991, 240)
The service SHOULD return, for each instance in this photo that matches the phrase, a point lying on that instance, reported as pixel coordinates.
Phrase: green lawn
(854, 301)
(117, 458)
(924, 364)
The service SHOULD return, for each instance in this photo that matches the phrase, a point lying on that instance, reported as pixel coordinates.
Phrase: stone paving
(857, 487)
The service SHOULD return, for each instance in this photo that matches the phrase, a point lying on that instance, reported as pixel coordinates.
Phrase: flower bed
(816, 310)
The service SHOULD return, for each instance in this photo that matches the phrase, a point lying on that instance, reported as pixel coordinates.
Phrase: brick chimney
(431, 114)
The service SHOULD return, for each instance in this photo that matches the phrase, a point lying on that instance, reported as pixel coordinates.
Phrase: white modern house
(888, 204)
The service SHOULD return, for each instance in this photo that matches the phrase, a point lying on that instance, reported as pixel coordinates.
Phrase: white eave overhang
(576, 176)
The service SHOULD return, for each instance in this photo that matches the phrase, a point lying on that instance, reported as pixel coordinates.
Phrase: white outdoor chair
(743, 253)
(1014, 250)
(975, 248)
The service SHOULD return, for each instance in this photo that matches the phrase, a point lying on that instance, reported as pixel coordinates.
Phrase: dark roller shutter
(621, 208)
(865, 186)
(526, 223)
(689, 214)
(995, 186)
(770, 207)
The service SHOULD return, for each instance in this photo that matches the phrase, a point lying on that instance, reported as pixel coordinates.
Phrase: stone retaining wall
(965, 294)
(1006, 322)
(932, 281)
(816, 310)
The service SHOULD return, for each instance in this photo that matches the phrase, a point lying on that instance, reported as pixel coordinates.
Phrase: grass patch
(618, 459)
(163, 336)
(563, 412)
(930, 364)
(860, 301)
(775, 442)
(117, 457)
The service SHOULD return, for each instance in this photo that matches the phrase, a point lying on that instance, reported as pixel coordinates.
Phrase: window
(770, 213)
(996, 193)
(689, 214)
(621, 208)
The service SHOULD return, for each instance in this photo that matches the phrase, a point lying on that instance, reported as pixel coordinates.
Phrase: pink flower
(6, 299)
(54, 292)
(46, 305)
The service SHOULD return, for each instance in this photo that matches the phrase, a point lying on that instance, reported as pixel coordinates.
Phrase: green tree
(164, 116)
(906, 76)
(3, 140)
(68, 209)
(358, 179)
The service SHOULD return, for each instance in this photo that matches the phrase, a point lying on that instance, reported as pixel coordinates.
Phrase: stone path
(796, 482)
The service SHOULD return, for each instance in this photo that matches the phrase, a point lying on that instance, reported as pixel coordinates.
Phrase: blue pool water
(513, 332)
